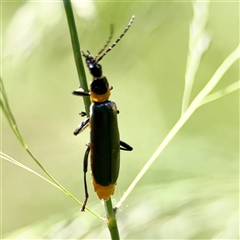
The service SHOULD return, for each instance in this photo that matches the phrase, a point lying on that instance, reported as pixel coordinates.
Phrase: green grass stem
(111, 219)
(221, 93)
(8, 113)
(198, 101)
(77, 52)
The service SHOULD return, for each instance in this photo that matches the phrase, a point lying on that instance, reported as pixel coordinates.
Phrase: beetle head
(94, 67)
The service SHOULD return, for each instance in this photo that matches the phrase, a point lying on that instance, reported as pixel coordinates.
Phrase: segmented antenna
(108, 41)
(115, 43)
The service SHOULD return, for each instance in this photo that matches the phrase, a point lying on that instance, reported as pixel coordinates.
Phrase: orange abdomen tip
(103, 192)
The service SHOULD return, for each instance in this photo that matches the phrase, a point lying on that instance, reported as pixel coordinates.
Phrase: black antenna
(115, 43)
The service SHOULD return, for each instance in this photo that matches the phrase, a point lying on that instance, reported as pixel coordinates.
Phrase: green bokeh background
(191, 191)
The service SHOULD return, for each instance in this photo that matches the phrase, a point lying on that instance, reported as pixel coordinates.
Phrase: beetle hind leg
(85, 167)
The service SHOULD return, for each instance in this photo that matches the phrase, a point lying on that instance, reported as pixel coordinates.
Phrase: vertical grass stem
(111, 220)
(77, 52)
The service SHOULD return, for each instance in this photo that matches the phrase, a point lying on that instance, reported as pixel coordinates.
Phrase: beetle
(105, 143)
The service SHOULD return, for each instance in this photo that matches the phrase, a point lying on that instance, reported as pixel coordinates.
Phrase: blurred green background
(191, 191)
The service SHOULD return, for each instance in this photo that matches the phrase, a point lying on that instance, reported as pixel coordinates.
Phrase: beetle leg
(80, 92)
(125, 146)
(85, 167)
(82, 114)
(81, 126)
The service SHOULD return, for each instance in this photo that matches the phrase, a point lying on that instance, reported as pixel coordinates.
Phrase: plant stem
(7, 111)
(227, 63)
(111, 220)
(77, 52)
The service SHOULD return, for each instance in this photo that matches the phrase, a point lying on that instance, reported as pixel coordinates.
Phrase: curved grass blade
(198, 101)
(7, 112)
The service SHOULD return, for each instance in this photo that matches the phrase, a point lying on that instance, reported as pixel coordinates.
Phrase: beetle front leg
(85, 167)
